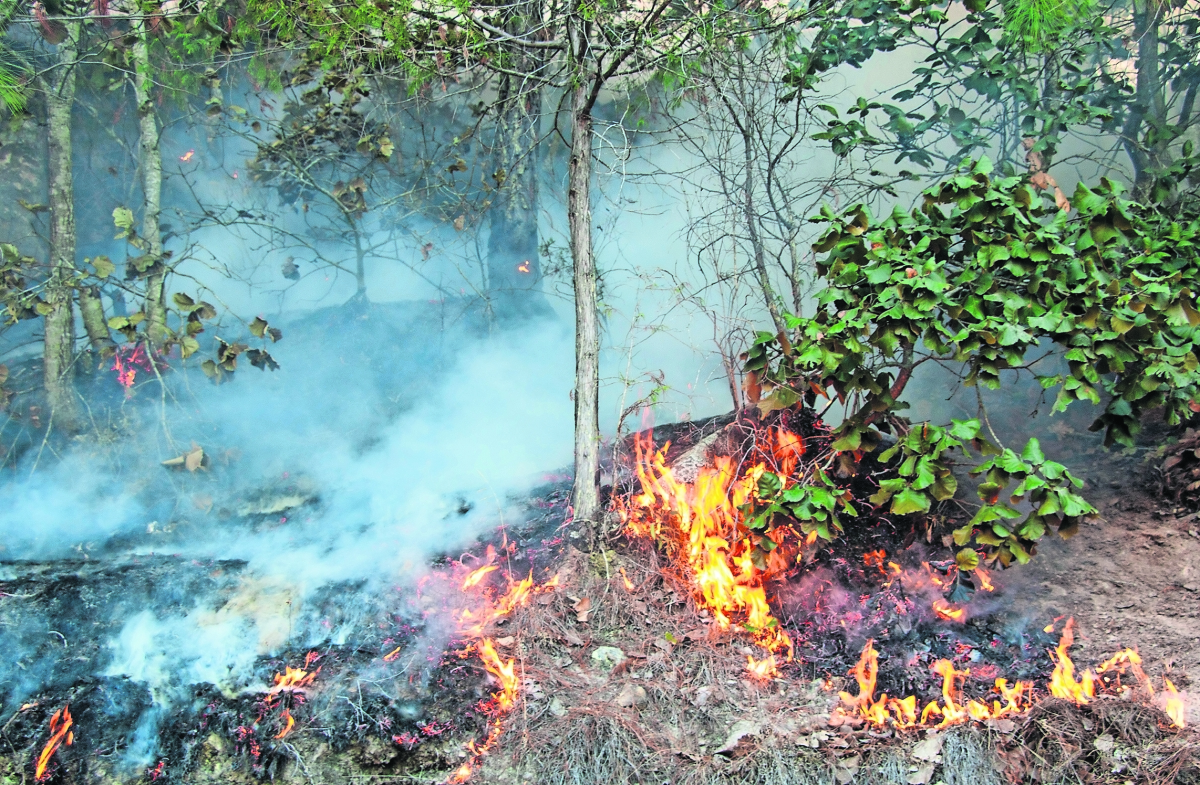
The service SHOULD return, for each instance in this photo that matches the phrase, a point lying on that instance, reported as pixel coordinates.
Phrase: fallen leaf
(920, 775)
(930, 749)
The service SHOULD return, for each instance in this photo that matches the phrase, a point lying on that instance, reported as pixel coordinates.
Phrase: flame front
(60, 734)
(701, 518)
(902, 712)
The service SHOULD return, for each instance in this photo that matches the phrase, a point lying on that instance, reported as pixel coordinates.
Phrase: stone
(607, 657)
(632, 695)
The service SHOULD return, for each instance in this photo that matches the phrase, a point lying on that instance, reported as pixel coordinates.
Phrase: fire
(763, 669)
(503, 671)
(985, 580)
(293, 680)
(523, 267)
(902, 712)
(702, 520)
(289, 721)
(629, 587)
(478, 575)
(945, 610)
(187, 156)
(60, 734)
(1173, 705)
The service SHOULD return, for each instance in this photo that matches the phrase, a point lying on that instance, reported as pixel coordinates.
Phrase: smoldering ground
(317, 497)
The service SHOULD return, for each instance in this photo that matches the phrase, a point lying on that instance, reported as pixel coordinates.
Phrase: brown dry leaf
(846, 768)
(752, 387)
(930, 749)
(1060, 199)
(582, 608)
(459, 223)
(920, 775)
(506, 641)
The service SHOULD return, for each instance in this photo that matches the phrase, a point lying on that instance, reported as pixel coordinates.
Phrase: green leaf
(1033, 453)
(909, 501)
(103, 266)
(123, 219)
(965, 429)
(967, 559)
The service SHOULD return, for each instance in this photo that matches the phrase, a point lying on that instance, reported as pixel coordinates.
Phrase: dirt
(1131, 579)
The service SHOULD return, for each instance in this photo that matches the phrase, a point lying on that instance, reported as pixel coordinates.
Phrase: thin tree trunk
(59, 351)
(151, 166)
(586, 496)
(756, 243)
(91, 308)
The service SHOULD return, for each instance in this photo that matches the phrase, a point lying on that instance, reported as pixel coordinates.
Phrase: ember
(60, 734)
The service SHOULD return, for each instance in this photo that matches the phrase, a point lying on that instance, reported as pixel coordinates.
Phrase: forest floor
(1131, 579)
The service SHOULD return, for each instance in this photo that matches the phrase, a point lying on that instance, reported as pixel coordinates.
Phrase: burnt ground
(678, 707)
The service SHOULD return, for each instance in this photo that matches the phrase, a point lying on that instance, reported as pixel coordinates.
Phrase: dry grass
(572, 729)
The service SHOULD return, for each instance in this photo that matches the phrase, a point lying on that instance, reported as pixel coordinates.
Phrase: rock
(607, 657)
(557, 708)
(632, 695)
(740, 730)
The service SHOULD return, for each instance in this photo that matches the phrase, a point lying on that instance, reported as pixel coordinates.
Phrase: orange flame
(985, 580)
(902, 712)
(763, 669)
(629, 587)
(945, 610)
(703, 521)
(475, 577)
(1063, 683)
(290, 723)
(1173, 705)
(293, 680)
(187, 156)
(503, 671)
(523, 267)
(60, 733)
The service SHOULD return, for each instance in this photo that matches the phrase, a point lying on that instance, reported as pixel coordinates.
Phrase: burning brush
(718, 551)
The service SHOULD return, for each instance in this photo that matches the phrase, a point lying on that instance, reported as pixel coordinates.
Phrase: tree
(981, 275)
(58, 88)
(580, 50)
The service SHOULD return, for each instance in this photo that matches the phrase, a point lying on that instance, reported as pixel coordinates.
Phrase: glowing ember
(60, 734)
(393, 654)
(523, 267)
(629, 587)
(187, 156)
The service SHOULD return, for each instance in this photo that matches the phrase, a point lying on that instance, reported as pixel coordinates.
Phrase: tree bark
(91, 308)
(59, 347)
(586, 495)
(151, 168)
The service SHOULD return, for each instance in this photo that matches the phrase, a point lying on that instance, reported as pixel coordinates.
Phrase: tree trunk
(59, 351)
(586, 496)
(151, 167)
(91, 308)
(514, 271)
